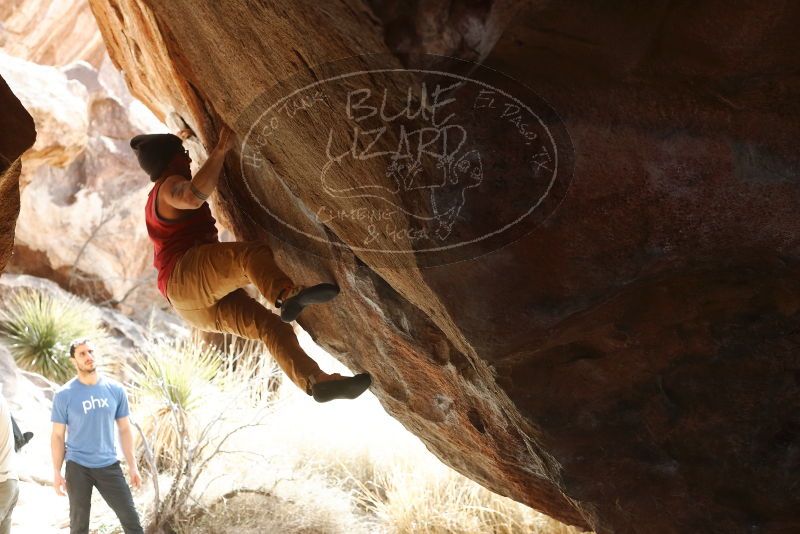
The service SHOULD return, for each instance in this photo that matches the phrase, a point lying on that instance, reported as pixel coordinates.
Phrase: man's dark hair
(74, 345)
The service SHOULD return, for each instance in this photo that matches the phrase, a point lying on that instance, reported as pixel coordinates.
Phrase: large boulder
(17, 134)
(58, 106)
(80, 181)
(50, 33)
(628, 364)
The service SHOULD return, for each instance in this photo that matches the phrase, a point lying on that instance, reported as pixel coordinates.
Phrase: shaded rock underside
(631, 364)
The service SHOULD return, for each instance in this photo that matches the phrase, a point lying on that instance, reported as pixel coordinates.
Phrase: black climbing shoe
(292, 306)
(346, 388)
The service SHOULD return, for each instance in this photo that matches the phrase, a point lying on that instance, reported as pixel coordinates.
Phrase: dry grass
(436, 499)
(339, 467)
(304, 505)
(170, 380)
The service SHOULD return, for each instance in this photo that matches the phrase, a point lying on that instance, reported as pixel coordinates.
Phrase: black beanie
(154, 152)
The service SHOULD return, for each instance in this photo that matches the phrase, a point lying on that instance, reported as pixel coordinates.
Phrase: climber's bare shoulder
(175, 199)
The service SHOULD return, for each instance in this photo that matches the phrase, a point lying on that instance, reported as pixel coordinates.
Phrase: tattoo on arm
(177, 189)
(196, 192)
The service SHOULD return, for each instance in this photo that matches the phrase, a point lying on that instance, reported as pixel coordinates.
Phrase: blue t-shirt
(90, 413)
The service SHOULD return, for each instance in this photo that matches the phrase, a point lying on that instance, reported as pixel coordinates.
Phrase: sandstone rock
(113, 81)
(101, 235)
(17, 134)
(50, 33)
(463, 29)
(107, 117)
(84, 73)
(78, 183)
(58, 106)
(630, 364)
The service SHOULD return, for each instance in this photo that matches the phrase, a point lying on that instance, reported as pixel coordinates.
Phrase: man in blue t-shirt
(85, 409)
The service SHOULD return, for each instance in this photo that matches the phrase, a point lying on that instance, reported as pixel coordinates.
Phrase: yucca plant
(189, 400)
(37, 327)
(247, 361)
(170, 381)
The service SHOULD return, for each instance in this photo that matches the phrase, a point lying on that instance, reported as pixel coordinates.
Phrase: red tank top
(172, 238)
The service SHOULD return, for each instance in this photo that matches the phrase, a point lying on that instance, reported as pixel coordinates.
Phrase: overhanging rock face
(629, 363)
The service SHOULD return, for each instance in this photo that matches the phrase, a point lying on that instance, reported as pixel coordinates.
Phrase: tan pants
(205, 289)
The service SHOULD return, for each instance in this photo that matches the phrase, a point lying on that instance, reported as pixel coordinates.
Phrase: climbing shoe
(298, 297)
(346, 388)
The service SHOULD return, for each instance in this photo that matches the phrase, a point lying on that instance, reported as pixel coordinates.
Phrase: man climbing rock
(203, 278)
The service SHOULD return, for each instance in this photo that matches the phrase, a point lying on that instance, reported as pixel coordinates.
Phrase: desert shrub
(335, 467)
(247, 362)
(190, 400)
(169, 383)
(37, 327)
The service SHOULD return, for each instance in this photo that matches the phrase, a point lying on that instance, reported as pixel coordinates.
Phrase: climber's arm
(183, 194)
(176, 191)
